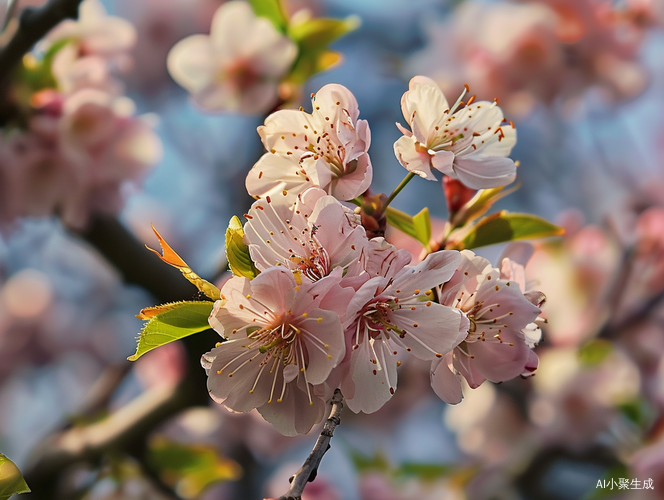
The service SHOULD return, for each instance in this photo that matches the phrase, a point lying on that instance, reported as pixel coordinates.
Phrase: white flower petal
(413, 158)
(481, 172)
(430, 329)
(373, 370)
(445, 383)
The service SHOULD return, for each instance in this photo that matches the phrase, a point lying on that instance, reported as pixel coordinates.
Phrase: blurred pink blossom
(238, 66)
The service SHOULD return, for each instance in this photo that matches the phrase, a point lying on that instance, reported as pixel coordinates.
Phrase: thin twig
(309, 469)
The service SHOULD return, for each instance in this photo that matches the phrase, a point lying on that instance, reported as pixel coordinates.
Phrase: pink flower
(236, 68)
(284, 340)
(313, 237)
(108, 148)
(392, 313)
(96, 33)
(465, 143)
(327, 149)
(499, 340)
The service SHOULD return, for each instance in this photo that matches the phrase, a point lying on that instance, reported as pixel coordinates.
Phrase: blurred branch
(136, 265)
(309, 470)
(157, 482)
(127, 429)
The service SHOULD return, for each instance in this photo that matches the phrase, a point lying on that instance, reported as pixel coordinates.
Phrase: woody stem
(309, 469)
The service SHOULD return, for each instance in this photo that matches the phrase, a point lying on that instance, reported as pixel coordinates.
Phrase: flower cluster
(540, 50)
(333, 308)
(73, 143)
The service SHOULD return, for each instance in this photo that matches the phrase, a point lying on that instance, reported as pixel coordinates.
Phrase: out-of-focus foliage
(191, 468)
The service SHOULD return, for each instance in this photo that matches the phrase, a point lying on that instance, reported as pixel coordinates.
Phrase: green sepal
(11, 479)
(237, 252)
(171, 322)
(503, 227)
(272, 10)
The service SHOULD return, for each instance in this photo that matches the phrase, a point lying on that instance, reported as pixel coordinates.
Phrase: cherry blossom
(284, 339)
(108, 147)
(327, 149)
(95, 33)
(393, 313)
(312, 237)
(467, 143)
(238, 66)
(499, 341)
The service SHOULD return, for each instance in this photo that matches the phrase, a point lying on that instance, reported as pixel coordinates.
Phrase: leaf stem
(398, 189)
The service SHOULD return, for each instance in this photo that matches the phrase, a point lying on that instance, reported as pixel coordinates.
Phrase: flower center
(377, 318)
(317, 264)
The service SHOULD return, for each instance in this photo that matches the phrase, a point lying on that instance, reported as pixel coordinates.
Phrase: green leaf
(503, 227)
(237, 252)
(272, 10)
(321, 32)
(422, 225)
(595, 351)
(364, 463)
(401, 220)
(174, 322)
(424, 471)
(314, 37)
(191, 468)
(11, 480)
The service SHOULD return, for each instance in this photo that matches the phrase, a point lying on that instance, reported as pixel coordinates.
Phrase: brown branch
(309, 469)
(127, 429)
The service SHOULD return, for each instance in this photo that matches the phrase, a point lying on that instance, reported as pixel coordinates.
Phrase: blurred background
(582, 80)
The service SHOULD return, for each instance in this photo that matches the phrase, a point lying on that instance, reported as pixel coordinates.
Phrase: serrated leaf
(191, 468)
(503, 227)
(175, 321)
(237, 252)
(272, 10)
(401, 221)
(11, 480)
(169, 256)
(422, 225)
